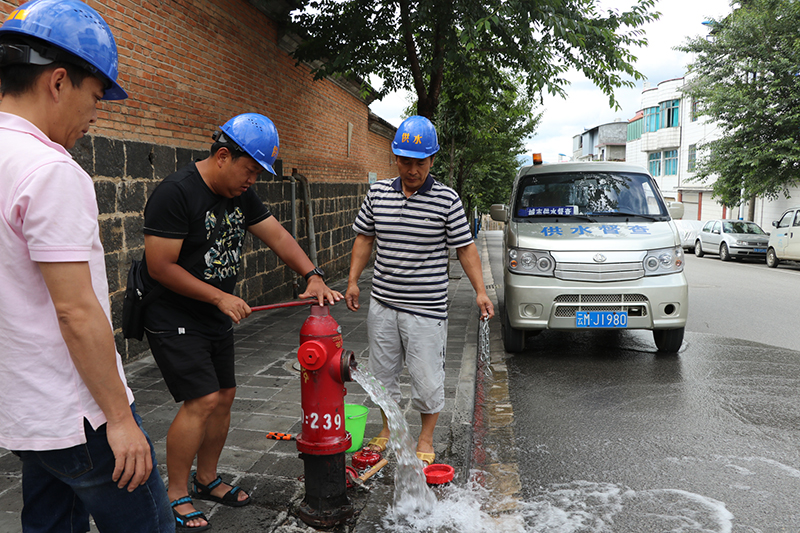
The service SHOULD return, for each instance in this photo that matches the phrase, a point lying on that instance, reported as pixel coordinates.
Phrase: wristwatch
(316, 272)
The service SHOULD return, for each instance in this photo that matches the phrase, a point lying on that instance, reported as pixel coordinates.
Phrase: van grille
(568, 304)
(599, 272)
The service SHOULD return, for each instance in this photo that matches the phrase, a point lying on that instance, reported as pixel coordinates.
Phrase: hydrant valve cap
(312, 355)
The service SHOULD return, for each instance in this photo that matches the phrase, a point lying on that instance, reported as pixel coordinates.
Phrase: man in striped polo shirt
(415, 220)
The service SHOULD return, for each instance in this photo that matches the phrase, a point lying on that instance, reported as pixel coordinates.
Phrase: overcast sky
(586, 106)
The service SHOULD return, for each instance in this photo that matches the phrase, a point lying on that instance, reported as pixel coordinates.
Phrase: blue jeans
(61, 488)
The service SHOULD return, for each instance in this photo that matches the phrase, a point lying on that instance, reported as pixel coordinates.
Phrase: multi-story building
(664, 136)
(601, 143)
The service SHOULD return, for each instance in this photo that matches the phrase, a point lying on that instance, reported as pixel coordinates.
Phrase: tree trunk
(426, 106)
(452, 169)
(751, 208)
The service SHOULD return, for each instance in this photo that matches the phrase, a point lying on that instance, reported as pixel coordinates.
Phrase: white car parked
(784, 242)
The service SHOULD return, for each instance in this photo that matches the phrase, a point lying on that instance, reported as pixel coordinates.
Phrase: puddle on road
(583, 506)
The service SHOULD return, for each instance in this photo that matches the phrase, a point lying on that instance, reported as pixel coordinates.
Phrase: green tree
(746, 77)
(482, 125)
(410, 44)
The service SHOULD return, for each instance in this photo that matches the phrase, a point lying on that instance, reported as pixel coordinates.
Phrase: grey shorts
(395, 338)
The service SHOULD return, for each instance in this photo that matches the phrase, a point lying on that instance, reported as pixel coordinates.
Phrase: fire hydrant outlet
(312, 355)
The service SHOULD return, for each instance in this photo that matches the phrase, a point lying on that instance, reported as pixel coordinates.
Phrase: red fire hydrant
(324, 440)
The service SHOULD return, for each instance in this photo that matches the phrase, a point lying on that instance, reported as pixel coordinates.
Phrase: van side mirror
(675, 209)
(774, 223)
(499, 212)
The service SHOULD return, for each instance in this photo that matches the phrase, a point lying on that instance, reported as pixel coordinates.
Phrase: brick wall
(188, 67)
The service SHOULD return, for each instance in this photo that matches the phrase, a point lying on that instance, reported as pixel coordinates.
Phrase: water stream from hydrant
(411, 495)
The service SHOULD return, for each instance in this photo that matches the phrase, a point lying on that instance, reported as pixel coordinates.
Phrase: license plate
(601, 319)
(760, 250)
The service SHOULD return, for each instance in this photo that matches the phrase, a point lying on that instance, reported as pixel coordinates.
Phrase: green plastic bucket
(355, 421)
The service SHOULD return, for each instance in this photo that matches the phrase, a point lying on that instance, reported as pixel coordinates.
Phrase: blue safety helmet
(416, 137)
(256, 135)
(71, 26)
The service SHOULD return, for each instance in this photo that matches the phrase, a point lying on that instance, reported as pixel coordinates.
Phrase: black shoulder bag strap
(195, 257)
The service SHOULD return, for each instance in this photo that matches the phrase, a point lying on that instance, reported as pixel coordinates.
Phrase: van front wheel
(772, 258)
(668, 340)
(513, 339)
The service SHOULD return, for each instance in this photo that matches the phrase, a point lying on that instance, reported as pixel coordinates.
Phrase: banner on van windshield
(568, 210)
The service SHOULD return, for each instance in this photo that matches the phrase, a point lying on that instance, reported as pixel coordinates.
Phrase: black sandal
(182, 519)
(203, 492)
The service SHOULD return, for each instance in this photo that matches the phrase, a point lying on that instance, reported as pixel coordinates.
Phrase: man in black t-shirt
(190, 326)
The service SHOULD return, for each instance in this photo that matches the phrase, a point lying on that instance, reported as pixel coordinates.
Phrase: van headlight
(534, 262)
(663, 261)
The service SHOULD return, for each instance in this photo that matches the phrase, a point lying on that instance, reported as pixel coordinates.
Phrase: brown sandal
(378, 444)
(427, 458)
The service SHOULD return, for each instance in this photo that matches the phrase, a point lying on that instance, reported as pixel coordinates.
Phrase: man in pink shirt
(65, 407)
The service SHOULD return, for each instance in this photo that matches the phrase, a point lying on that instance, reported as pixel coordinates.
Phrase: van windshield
(589, 194)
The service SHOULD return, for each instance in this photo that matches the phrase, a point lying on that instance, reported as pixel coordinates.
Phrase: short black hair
(223, 141)
(18, 78)
(233, 148)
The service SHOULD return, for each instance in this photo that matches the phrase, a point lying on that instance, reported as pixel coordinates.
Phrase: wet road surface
(611, 436)
(622, 439)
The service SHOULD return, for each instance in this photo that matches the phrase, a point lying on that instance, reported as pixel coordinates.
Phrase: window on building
(651, 119)
(692, 157)
(654, 161)
(693, 114)
(635, 129)
(670, 113)
(670, 162)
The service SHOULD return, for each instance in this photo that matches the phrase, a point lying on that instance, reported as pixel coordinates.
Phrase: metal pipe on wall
(279, 171)
(312, 239)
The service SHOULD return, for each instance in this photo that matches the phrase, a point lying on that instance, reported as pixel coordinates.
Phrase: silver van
(591, 245)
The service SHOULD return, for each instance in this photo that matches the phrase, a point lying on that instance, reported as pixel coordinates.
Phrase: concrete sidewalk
(268, 399)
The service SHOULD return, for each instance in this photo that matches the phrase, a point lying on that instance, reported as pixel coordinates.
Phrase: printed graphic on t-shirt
(223, 258)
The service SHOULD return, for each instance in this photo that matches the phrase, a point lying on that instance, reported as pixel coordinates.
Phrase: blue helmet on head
(69, 26)
(416, 137)
(256, 135)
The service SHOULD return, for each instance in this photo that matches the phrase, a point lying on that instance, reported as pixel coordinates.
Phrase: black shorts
(193, 366)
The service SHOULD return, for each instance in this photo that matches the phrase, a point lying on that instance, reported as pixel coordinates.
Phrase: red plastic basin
(437, 474)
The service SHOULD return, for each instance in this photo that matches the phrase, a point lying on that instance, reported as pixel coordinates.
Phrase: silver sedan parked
(732, 239)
